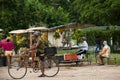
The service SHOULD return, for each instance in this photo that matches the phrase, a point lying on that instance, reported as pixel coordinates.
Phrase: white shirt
(84, 45)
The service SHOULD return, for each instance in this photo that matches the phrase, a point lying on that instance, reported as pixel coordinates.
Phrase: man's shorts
(102, 56)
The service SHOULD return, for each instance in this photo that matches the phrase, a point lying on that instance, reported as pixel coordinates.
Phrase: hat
(35, 33)
(84, 38)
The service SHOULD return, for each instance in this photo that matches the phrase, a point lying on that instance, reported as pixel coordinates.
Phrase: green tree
(55, 17)
(99, 12)
(19, 14)
(77, 35)
(6, 13)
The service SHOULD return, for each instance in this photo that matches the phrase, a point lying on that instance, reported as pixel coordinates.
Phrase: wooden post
(30, 39)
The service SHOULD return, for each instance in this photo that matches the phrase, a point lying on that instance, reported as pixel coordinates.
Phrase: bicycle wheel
(36, 67)
(17, 69)
(51, 67)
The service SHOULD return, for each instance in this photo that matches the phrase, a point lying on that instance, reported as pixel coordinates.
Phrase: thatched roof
(73, 25)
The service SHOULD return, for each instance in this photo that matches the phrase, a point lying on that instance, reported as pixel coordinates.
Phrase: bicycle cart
(73, 58)
(19, 65)
(51, 62)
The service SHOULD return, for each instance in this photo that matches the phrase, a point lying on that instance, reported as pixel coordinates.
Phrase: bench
(110, 60)
(87, 58)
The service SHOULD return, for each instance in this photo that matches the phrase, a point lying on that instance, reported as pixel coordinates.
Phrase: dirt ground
(72, 72)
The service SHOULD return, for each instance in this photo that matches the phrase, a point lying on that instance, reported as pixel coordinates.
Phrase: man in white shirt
(83, 48)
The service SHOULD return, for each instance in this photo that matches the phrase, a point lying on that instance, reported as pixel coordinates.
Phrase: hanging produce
(44, 36)
(56, 35)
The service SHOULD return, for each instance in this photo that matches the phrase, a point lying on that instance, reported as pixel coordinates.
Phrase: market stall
(19, 37)
(1, 30)
(43, 31)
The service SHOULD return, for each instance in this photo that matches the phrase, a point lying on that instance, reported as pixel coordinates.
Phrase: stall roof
(101, 28)
(1, 29)
(38, 28)
(18, 31)
(61, 26)
(73, 25)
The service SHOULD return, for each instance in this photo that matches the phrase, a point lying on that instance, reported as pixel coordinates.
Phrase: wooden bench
(110, 60)
(87, 58)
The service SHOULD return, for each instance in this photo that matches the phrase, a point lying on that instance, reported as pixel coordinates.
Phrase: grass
(117, 55)
(73, 51)
(66, 51)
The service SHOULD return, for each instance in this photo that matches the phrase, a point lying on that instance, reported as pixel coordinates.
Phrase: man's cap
(84, 38)
(35, 33)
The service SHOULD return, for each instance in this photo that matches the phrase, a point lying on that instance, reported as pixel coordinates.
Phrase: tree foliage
(111, 35)
(99, 12)
(77, 35)
(17, 14)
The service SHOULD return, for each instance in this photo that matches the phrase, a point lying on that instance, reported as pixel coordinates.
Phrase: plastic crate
(70, 56)
(74, 56)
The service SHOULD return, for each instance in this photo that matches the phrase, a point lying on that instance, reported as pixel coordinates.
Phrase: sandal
(100, 64)
(42, 75)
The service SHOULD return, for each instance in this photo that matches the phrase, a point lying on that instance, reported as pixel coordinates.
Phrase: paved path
(93, 72)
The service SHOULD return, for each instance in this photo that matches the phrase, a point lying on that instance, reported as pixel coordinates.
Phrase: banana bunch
(11, 37)
(56, 35)
(21, 41)
(18, 36)
(44, 36)
(60, 30)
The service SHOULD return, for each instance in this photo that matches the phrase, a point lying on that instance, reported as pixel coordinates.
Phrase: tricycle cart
(73, 58)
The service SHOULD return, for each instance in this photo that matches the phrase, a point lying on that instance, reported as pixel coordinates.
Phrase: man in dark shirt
(36, 48)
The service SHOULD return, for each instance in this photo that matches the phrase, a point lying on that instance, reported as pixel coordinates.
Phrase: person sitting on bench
(104, 53)
(83, 48)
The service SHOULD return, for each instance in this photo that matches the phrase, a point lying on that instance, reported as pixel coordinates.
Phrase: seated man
(83, 48)
(104, 53)
(98, 45)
